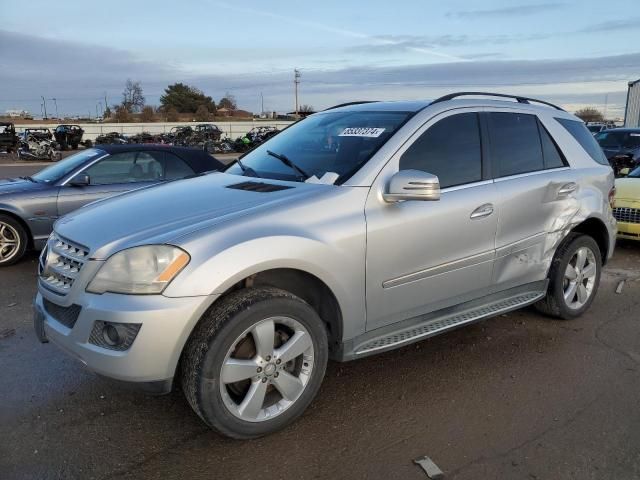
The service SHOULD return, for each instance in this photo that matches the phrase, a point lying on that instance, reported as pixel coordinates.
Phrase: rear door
(111, 175)
(535, 188)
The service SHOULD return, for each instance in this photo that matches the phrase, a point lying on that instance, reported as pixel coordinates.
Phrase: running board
(441, 324)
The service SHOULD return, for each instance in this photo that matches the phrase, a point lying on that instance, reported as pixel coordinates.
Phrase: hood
(16, 185)
(628, 188)
(163, 213)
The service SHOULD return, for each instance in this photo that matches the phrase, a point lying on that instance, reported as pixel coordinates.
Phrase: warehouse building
(632, 110)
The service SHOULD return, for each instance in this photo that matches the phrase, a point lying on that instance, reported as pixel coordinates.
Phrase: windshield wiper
(246, 169)
(284, 159)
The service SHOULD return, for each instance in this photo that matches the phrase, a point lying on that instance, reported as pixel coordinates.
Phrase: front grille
(61, 263)
(67, 316)
(627, 215)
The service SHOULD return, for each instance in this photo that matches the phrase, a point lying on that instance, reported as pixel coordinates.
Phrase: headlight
(139, 270)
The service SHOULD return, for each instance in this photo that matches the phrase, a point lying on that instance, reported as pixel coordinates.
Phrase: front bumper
(150, 362)
(629, 231)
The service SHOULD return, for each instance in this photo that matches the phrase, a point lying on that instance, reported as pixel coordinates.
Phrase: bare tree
(228, 102)
(132, 96)
(172, 115)
(202, 114)
(121, 114)
(306, 109)
(148, 114)
(590, 114)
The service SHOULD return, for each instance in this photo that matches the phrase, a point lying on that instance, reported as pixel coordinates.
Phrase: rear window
(583, 136)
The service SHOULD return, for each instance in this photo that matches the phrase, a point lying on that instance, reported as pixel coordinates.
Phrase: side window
(450, 149)
(127, 167)
(583, 136)
(515, 143)
(175, 168)
(553, 157)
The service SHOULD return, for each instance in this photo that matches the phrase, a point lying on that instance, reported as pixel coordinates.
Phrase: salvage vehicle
(425, 217)
(627, 205)
(68, 136)
(622, 147)
(8, 137)
(111, 138)
(37, 144)
(30, 205)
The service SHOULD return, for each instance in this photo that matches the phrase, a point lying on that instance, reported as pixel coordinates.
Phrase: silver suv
(357, 230)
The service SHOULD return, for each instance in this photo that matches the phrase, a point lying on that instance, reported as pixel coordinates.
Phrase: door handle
(482, 211)
(567, 189)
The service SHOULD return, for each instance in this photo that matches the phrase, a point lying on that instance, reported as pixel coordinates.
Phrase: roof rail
(350, 103)
(518, 98)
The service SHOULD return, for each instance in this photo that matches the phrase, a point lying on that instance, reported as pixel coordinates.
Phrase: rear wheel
(573, 278)
(254, 362)
(13, 241)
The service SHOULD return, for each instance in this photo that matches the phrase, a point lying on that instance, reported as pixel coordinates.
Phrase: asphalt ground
(519, 396)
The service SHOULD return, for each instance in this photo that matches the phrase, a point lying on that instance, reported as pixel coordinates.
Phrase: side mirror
(80, 180)
(412, 185)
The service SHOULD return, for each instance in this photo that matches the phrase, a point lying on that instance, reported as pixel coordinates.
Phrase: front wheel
(254, 362)
(573, 278)
(13, 241)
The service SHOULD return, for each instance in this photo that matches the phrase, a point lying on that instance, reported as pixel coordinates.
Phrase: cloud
(512, 11)
(612, 25)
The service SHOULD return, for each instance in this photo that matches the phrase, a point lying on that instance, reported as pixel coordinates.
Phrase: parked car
(68, 136)
(8, 137)
(355, 231)
(627, 205)
(622, 147)
(30, 205)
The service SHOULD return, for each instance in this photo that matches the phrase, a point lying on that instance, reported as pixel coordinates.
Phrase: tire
(555, 304)
(225, 334)
(13, 240)
(63, 146)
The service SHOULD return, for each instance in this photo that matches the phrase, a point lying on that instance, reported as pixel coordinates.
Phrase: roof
(633, 82)
(199, 160)
(400, 106)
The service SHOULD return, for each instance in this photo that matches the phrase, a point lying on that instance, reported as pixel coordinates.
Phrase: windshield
(635, 173)
(331, 142)
(629, 140)
(59, 170)
(594, 128)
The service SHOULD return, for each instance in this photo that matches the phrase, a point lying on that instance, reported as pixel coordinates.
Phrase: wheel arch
(596, 229)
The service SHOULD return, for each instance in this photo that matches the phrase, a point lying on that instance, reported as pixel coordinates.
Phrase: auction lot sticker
(362, 132)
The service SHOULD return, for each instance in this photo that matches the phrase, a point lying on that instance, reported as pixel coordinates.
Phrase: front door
(427, 255)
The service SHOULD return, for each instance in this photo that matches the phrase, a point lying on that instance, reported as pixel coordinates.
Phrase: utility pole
(262, 104)
(44, 102)
(606, 104)
(296, 82)
(56, 104)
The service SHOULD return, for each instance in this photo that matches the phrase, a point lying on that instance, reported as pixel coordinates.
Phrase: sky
(575, 53)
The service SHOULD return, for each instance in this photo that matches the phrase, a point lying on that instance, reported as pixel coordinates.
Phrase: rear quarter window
(584, 137)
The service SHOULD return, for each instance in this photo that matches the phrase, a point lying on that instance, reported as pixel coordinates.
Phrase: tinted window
(175, 168)
(515, 143)
(450, 149)
(619, 139)
(126, 167)
(553, 158)
(583, 136)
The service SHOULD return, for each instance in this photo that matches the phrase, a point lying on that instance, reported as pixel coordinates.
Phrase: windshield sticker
(370, 132)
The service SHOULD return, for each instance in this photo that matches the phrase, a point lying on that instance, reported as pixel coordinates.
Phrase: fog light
(114, 336)
(111, 335)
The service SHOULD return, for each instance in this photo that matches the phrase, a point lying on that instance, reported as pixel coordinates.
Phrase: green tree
(590, 114)
(185, 99)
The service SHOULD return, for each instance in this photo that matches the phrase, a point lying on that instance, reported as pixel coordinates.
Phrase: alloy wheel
(267, 369)
(579, 278)
(9, 242)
